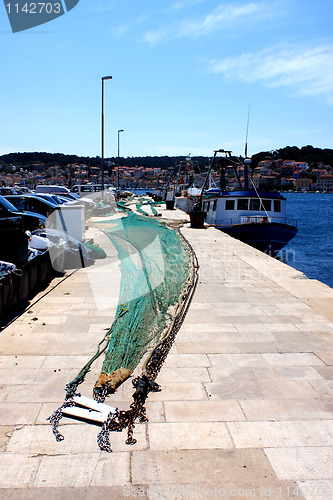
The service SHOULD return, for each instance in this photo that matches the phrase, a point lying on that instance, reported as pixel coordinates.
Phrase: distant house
(260, 181)
(318, 172)
(297, 173)
(285, 181)
(277, 163)
(325, 182)
(269, 179)
(265, 166)
(264, 170)
(303, 183)
(301, 165)
(288, 167)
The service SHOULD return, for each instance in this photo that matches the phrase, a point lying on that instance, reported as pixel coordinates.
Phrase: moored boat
(255, 217)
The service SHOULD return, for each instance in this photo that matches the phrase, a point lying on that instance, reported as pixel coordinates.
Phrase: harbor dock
(246, 406)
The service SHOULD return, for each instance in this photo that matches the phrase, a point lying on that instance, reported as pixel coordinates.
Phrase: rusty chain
(145, 383)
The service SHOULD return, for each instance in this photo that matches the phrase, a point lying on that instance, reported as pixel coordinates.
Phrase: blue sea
(311, 249)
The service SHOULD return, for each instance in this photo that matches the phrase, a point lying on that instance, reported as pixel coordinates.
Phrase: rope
(72, 386)
(261, 203)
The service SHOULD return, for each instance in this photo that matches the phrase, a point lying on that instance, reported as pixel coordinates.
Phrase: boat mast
(209, 172)
(247, 161)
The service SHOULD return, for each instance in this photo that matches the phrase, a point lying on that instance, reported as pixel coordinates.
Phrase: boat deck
(246, 403)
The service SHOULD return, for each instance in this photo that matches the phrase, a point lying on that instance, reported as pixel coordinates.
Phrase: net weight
(34, 8)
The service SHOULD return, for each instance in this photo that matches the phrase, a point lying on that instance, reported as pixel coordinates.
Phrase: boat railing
(250, 219)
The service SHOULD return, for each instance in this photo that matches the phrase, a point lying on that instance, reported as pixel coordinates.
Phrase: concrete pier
(246, 404)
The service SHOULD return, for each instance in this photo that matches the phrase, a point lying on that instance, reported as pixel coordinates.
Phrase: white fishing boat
(255, 217)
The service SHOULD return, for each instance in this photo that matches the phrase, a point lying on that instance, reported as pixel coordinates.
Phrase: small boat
(255, 217)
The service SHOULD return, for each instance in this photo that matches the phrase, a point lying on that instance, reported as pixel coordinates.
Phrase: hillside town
(273, 174)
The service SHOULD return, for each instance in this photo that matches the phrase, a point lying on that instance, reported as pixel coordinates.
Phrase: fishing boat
(255, 217)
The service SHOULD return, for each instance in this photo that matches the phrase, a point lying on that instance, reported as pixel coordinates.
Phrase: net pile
(154, 270)
(155, 267)
(158, 279)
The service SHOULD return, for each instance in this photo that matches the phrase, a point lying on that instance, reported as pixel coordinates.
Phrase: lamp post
(102, 156)
(118, 159)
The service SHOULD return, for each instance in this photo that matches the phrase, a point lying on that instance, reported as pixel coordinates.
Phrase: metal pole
(102, 155)
(207, 177)
(118, 161)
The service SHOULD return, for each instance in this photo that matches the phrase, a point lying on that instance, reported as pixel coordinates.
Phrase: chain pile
(144, 384)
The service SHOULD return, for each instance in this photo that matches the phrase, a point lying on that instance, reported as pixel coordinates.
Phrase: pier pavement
(246, 404)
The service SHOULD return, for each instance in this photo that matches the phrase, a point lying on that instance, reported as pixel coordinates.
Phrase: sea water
(310, 251)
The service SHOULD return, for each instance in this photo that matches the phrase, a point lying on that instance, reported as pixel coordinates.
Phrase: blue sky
(184, 73)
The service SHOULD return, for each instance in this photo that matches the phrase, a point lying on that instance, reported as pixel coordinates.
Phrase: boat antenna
(247, 129)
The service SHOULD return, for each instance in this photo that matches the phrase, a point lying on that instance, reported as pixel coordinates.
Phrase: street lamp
(102, 156)
(118, 158)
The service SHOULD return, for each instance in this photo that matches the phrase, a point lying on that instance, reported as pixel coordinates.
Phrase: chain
(146, 382)
(57, 416)
(143, 384)
(159, 354)
(100, 393)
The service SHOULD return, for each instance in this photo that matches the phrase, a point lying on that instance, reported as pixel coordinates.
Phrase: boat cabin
(226, 208)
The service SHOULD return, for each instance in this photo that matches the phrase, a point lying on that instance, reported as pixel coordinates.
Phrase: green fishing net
(155, 267)
(157, 282)
(154, 270)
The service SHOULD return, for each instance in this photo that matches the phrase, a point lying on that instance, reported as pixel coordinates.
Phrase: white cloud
(155, 36)
(183, 4)
(221, 17)
(103, 6)
(222, 14)
(305, 70)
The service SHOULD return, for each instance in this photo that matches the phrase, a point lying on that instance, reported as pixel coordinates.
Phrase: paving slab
(281, 434)
(286, 409)
(196, 435)
(83, 470)
(203, 411)
(302, 462)
(207, 466)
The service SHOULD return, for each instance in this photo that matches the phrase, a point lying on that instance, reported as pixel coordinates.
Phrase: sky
(186, 74)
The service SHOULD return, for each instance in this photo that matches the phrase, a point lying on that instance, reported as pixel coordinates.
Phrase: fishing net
(158, 279)
(155, 266)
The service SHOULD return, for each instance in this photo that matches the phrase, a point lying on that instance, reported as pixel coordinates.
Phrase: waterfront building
(325, 182)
